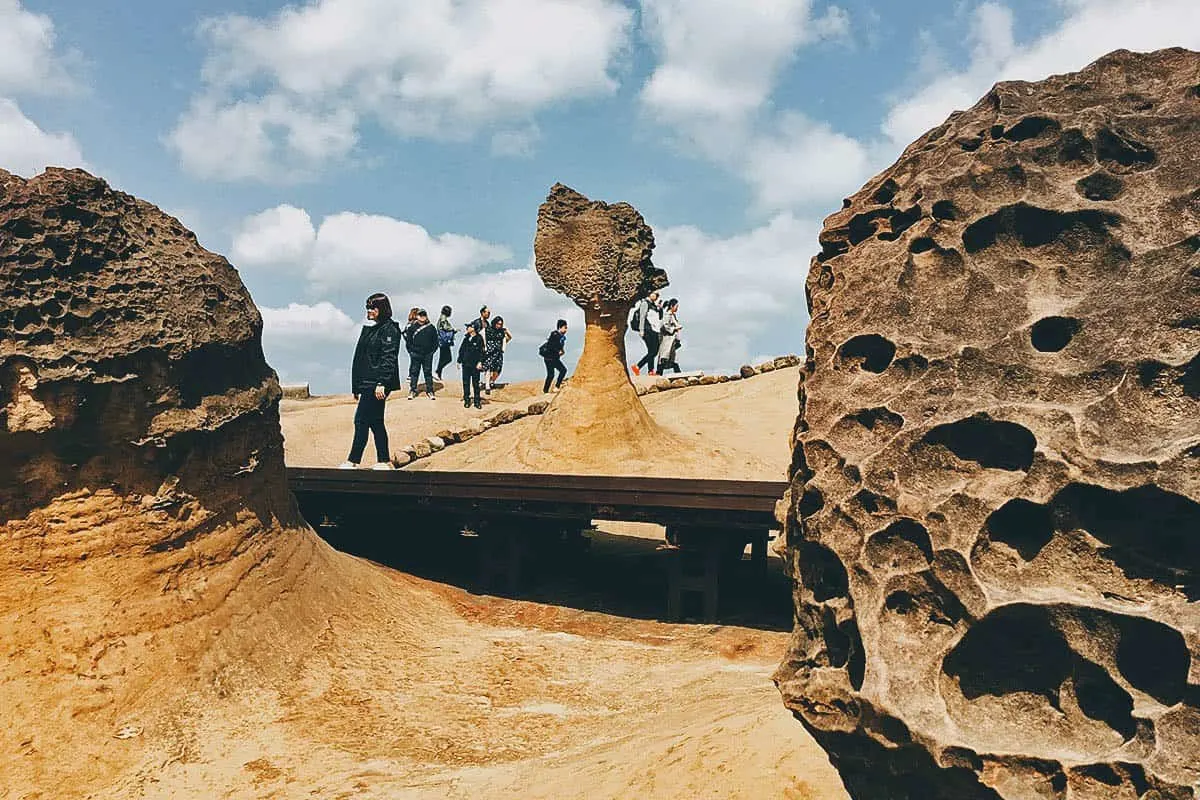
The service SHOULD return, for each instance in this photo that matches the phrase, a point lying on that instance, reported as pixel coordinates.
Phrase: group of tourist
(375, 370)
(657, 323)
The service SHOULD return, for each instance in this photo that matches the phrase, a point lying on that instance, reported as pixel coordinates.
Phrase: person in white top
(649, 315)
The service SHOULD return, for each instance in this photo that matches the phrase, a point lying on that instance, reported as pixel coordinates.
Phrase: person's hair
(471, 325)
(482, 309)
(562, 323)
(379, 301)
(499, 320)
(446, 311)
(672, 303)
(412, 313)
(422, 313)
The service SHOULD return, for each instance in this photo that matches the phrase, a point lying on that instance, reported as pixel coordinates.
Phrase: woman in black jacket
(374, 373)
(470, 358)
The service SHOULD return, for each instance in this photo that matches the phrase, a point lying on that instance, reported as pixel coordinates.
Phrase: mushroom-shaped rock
(598, 254)
(995, 522)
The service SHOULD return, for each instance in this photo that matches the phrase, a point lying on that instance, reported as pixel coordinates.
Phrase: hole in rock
(885, 193)
(1051, 334)
(1074, 148)
(22, 228)
(874, 503)
(1100, 186)
(1154, 658)
(1150, 532)
(26, 319)
(904, 544)
(856, 663)
(900, 222)
(921, 244)
(991, 443)
(1030, 127)
(971, 143)
(1122, 153)
(944, 209)
(1013, 649)
(874, 351)
(1102, 699)
(1022, 525)
(1033, 227)
(880, 417)
(925, 599)
(811, 501)
(822, 572)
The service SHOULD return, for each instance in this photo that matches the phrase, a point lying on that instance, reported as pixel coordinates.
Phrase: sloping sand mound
(171, 628)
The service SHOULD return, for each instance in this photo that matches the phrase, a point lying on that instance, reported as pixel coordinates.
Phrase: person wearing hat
(422, 341)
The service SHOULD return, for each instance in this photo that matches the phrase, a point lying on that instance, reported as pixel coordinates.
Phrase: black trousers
(416, 363)
(652, 339)
(444, 358)
(470, 380)
(554, 365)
(368, 419)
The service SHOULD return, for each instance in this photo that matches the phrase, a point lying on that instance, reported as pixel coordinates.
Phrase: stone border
(447, 438)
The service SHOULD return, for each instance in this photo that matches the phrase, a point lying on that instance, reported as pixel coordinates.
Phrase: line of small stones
(447, 438)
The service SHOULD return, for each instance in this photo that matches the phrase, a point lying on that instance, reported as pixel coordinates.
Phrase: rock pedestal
(996, 520)
(598, 255)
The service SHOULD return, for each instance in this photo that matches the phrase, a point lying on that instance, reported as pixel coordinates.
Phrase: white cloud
(286, 95)
(804, 162)
(28, 63)
(1089, 29)
(26, 149)
(739, 293)
(720, 60)
(356, 251)
(516, 143)
(300, 324)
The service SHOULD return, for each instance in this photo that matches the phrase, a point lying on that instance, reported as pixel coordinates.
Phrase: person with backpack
(445, 333)
(374, 373)
(552, 351)
(422, 341)
(646, 321)
(670, 338)
(470, 361)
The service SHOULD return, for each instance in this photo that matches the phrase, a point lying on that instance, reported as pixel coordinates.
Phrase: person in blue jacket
(374, 373)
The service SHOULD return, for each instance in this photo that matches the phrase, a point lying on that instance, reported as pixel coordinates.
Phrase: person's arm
(389, 370)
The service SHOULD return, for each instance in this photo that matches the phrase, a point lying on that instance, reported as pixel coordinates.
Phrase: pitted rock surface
(593, 251)
(995, 526)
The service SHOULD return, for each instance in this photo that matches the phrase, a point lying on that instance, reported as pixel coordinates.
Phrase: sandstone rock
(598, 255)
(662, 383)
(708, 380)
(421, 449)
(445, 435)
(400, 459)
(996, 518)
(736, 377)
(141, 481)
(501, 417)
(722, 379)
(766, 366)
(692, 381)
(678, 383)
(783, 362)
(640, 388)
(538, 407)
(436, 443)
(295, 391)
(746, 371)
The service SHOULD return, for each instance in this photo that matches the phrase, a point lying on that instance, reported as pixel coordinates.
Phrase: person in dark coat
(374, 373)
(495, 338)
(422, 341)
(551, 352)
(470, 360)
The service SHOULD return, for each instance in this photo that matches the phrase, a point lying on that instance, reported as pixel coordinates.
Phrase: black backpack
(635, 319)
(547, 348)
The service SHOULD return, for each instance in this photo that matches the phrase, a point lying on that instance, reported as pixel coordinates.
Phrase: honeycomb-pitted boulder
(995, 525)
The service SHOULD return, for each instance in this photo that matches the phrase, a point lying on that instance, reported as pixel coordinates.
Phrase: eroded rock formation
(598, 255)
(996, 498)
(152, 562)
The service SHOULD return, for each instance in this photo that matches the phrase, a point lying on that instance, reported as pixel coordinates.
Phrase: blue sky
(338, 147)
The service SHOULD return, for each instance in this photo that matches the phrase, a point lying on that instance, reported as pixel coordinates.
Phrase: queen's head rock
(995, 528)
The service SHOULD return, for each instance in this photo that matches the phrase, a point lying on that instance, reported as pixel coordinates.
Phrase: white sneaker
(347, 465)
(382, 465)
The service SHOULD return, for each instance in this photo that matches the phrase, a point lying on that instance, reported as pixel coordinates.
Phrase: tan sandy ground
(535, 700)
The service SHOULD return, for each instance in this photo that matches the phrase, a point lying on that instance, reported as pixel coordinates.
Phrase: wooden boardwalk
(708, 522)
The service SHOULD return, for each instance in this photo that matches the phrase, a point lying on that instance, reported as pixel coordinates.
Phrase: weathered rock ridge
(598, 254)
(152, 561)
(995, 520)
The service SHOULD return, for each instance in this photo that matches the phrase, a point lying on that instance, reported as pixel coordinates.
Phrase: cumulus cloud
(301, 323)
(721, 60)
(741, 293)
(356, 250)
(1088, 30)
(26, 149)
(804, 162)
(30, 65)
(286, 94)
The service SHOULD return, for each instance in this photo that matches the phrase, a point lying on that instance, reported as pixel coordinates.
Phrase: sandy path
(741, 428)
